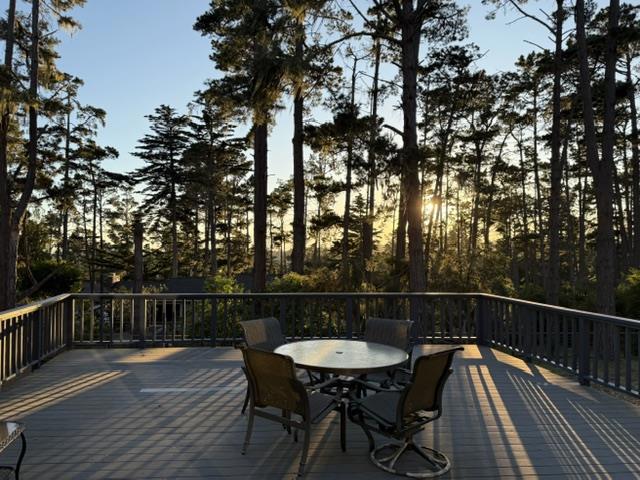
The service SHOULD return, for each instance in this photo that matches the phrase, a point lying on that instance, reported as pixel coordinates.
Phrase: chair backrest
(263, 333)
(388, 331)
(273, 381)
(424, 391)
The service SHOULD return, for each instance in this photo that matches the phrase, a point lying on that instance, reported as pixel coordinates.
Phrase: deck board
(91, 414)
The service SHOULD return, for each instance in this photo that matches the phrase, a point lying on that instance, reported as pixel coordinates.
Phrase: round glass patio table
(343, 357)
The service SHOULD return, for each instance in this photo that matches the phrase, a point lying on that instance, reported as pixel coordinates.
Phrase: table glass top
(343, 356)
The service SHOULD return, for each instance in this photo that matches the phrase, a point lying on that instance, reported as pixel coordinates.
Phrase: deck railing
(598, 348)
(31, 334)
(212, 319)
(593, 347)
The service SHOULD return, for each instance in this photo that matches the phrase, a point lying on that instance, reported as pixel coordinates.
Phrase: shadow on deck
(175, 413)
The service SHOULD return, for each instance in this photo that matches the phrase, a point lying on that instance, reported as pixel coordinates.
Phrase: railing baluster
(164, 323)
(184, 320)
(627, 359)
(616, 356)
(121, 329)
(597, 336)
(606, 356)
(349, 317)
(91, 319)
(214, 321)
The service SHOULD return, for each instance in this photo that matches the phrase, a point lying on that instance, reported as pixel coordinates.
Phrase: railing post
(528, 335)
(140, 318)
(69, 318)
(584, 357)
(214, 321)
(349, 317)
(37, 338)
(480, 321)
(283, 318)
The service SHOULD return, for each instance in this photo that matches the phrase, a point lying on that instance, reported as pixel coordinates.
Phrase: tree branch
(524, 13)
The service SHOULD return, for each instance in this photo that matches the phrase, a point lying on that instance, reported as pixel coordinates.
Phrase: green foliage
(628, 295)
(223, 284)
(291, 282)
(320, 280)
(64, 277)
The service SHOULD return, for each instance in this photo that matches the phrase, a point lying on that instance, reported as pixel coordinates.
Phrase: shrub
(223, 284)
(65, 278)
(628, 295)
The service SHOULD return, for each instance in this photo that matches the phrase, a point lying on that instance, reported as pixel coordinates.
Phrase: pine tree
(163, 175)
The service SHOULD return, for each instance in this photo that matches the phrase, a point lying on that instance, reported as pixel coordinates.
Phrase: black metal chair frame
(246, 343)
(306, 418)
(405, 426)
(384, 380)
(23, 450)
(312, 379)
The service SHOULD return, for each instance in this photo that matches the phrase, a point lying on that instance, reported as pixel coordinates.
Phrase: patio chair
(263, 334)
(401, 414)
(388, 331)
(273, 383)
(391, 332)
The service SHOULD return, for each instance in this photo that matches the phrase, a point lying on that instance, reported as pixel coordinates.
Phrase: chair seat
(382, 405)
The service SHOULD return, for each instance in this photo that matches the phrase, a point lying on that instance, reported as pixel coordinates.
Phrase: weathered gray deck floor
(102, 414)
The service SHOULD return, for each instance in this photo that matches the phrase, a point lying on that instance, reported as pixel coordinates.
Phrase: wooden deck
(174, 413)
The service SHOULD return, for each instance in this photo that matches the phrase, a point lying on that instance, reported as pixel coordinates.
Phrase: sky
(134, 55)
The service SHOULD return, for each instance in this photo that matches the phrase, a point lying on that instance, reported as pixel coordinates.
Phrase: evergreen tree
(163, 175)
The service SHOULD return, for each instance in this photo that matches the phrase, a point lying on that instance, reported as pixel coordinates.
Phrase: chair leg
(247, 436)
(23, 450)
(305, 448)
(343, 427)
(357, 418)
(286, 414)
(246, 401)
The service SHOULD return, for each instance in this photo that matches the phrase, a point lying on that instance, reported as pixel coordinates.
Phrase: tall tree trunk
(260, 208)
(8, 244)
(475, 209)
(401, 229)
(488, 219)
(410, 32)
(94, 235)
(173, 207)
(553, 267)
(9, 237)
(624, 238)
(635, 163)
(367, 227)
(536, 179)
(299, 228)
(138, 275)
(65, 182)
(525, 211)
(196, 235)
(582, 230)
(346, 270)
(229, 213)
(601, 169)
